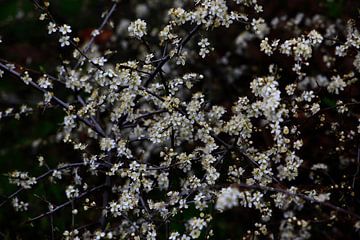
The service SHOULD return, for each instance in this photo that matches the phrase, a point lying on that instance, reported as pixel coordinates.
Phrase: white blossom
(64, 41)
(65, 29)
(228, 198)
(137, 29)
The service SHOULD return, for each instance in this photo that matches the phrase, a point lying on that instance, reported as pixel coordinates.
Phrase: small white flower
(57, 174)
(106, 144)
(336, 85)
(99, 61)
(65, 29)
(41, 161)
(22, 179)
(315, 108)
(47, 97)
(64, 41)
(315, 37)
(19, 206)
(174, 236)
(42, 17)
(204, 43)
(322, 197)
(26, 78)
(71, 192)
(52, 28)
(137, 29)
(44, 82)
(308, 96)
(95, 33)
(204, 50)
(266, 47)
(228, 198)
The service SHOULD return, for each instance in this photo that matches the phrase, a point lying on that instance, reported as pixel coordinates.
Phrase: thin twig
(92, 40)
(63, 205)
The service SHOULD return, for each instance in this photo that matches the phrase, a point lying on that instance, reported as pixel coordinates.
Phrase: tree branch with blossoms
(190, 112)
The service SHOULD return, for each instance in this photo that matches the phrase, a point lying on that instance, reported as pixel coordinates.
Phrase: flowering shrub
(161, 153)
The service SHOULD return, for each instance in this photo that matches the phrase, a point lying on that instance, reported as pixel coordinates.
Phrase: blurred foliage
(335, 8)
